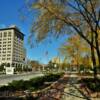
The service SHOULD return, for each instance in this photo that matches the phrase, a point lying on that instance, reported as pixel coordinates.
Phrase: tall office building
(12, 51)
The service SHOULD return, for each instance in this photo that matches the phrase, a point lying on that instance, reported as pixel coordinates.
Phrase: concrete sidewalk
(71, 92)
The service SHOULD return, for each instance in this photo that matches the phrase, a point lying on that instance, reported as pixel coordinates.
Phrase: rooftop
(12, 27)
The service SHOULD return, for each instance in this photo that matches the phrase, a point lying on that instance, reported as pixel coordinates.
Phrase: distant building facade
(56, 60)
(12, 51)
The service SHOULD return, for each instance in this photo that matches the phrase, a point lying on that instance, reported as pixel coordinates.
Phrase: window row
(5, 34)
(4, 42)
(5, 58)
(5, 48)
(4, 55)
(5, 51)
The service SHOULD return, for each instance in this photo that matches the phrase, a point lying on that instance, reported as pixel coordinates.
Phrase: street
(5, 79)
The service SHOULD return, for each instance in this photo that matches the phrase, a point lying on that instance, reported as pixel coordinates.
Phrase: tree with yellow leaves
(60, 16)
(76, 50)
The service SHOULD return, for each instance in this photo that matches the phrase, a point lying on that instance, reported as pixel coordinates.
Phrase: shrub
(32, 84)
(91, 83)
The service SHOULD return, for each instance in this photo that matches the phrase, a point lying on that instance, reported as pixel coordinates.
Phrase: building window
(3, 55)
(8, 55)
(5, 34)
(8, 58)
(9, 34)
(9, 45)
(9, 48)
(4, 42)
(3, 51)
(9, 38)
(9, 52)
(4, 48)
(0, 34)
(4, 45)
(4, 39)
(9, 41)
(3, 58)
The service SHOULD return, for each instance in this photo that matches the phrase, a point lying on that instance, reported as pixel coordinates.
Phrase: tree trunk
(97, 48)
(98, 55)
(93, 56)
(94, 62)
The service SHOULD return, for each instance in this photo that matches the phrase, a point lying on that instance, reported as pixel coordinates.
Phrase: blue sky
(10, 11)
